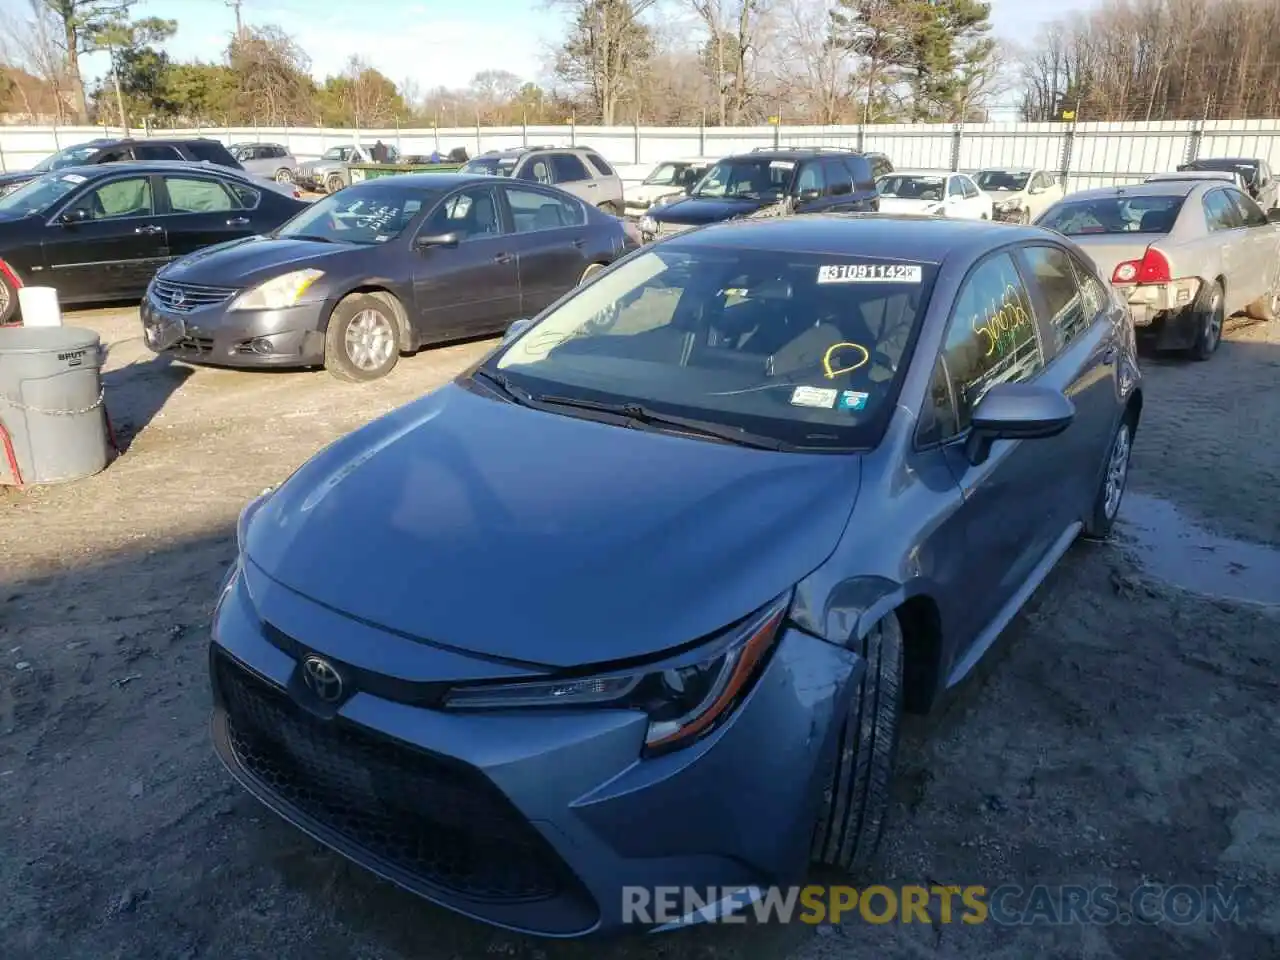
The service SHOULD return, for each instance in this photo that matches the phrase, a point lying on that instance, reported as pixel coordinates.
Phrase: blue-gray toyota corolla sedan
(638, 600)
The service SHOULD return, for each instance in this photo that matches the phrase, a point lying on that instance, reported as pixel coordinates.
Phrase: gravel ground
(1119, 734)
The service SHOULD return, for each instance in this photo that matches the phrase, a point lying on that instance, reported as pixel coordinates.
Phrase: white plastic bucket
(39, 307)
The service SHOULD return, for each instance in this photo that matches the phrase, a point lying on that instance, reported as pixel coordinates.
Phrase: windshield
(366, 215)
(70, 157)
(674, 175)
(747, 177)
(36, 196)
(1002, 180)
(911, 187)
(807, 349)
(242, 153)
(1141, 214)
(490, 166)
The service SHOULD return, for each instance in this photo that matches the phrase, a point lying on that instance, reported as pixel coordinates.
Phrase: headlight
(648, 225)
(278, 292)
(684, 698)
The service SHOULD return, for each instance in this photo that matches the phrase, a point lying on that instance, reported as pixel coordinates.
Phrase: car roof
(97, 170)
(884, 236)
(796, 153)
(921, 173)
(1159, 188)
(1013, 170)
(1249, 160)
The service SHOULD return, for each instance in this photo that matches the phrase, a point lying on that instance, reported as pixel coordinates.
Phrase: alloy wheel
(1213, 322)
(284, 176)
(370, 340)
(1117, 472)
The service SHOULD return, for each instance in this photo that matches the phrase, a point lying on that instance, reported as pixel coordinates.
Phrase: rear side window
(1220, 213)
(532, 210)
(811, 178)
(1094, 291)
(967, 185)
(537, 170)
(839, 182)
(189, 195)
(600, 166)
(211, 152)
(246, 196)
(156, 151)
(1053, 275)
(992, 337)
(1249, 211)
(861, 172)
(568, 168)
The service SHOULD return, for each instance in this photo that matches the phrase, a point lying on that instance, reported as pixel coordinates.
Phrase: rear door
(200, 210)
(114, 252)
(472, 288)
(570, 174)
(550, 234)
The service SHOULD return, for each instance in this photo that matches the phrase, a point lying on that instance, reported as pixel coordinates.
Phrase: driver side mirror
(1017, 411)
(427, 240)
(69, 217)
(1035, 189)
(807, 195)
(517, 327)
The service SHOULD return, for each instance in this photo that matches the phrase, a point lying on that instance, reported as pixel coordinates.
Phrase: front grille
(185, 297)
(435, 819)
(194, 345)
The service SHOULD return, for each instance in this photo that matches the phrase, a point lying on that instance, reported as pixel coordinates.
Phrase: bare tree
(606, 41)
(817, 69)
(33, 49)
(733, 29)
(494, 90)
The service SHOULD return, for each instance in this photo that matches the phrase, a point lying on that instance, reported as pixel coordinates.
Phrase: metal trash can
(51, 405)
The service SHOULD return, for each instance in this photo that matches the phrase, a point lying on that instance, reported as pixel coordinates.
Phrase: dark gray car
(638, 600)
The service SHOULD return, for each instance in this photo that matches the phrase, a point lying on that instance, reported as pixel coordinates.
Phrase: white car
(670, 178)
(1233, 177)
(1020, 194)
(932, 193)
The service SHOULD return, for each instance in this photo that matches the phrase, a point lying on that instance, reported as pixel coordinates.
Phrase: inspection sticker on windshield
(870, 273)
(813, 397)
(73, 178)
(853, 400)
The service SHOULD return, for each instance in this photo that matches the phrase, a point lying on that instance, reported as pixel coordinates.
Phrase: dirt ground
(1123, 731)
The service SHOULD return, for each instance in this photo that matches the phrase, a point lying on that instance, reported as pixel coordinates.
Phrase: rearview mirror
(1017, 411)
(1273, 215)
(517, 327)
(426, 240)
(74, 216)
(811, 194)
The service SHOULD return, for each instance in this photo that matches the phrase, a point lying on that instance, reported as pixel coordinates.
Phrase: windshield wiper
(642, 416)
(307, 236)
(503, 385)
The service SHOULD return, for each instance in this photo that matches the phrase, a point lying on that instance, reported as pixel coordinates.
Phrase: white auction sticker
(813, 397)
(782, 165)
(73, 178)
(870, 273)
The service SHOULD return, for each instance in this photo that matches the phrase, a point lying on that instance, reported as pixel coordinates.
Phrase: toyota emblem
(322, 679)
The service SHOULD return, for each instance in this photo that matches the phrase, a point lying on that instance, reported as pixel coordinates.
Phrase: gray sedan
(1184, 254)
(748, 494)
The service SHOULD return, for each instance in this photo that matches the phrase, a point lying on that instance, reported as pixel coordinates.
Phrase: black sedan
(378, 269)
(101, 232)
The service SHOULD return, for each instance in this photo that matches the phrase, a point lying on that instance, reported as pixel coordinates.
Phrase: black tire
(855, 804)
(8, 301)
(609, 208)
(1209, 317)
(283, 175)
(361, 354)
(1106, 502)
(333, 183)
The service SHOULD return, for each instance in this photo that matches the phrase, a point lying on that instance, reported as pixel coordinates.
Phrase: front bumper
(1008, 215)
(533, 820)
(291, 337)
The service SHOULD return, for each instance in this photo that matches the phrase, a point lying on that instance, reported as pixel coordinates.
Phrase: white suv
(576, 170)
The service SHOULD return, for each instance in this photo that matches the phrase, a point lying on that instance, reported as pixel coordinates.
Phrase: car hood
(699, 210)
(557, 541)
(905, 205)
(17, 176)
(648, 192)
(250, 260)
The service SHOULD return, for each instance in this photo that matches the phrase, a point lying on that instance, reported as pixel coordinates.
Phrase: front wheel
(609, 208)
(1210, 315)
(334, 184)
(283, 175)
(361, 342)
(855, 803)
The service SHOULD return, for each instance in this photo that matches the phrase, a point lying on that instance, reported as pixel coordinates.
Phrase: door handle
(503, 258)
(579, 243)
(150, 228)
(592, 186)
(238, 222)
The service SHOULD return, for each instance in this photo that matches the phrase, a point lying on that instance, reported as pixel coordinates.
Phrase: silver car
(1185, 255)
(270, 160)
(577, 170)
(332, 171)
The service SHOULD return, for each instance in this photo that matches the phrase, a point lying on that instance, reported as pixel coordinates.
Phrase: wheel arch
(404, 329)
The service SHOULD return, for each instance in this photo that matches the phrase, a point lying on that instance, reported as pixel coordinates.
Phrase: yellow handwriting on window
(1003, 322)
(828, 359)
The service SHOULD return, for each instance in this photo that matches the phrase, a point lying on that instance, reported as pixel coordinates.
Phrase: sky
(437, 42)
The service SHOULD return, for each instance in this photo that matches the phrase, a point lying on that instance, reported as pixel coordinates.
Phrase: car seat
(548, 217)
(482, 216)
(1156, 221)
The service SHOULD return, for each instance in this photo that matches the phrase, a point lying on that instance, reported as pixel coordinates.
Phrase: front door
(812, 195)
(1006, 517)
(114, 249)
(473, 286)
(200, 211)
(550, 238)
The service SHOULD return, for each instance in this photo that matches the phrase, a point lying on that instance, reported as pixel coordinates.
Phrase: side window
(1249, 211)
(469, 213)
(863, 173)
(969, 187)
(152, 151)
(1053, 274)
(992, 337)
(533, 210)
(839, 183)
(1094, 291)
(113, 156)
(119, 198)
(1220, 213)
(811, 178)
(954, 188)
(600, 166)
(333, 153)
(537, 171)
(247, 197)
(567, 168)
(189, 195)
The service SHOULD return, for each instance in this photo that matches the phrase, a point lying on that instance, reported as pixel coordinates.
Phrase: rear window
(212, 152)
(1118, 214)
(600, 166)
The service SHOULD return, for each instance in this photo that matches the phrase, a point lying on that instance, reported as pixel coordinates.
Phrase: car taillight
(11, 275)
(1152, 268)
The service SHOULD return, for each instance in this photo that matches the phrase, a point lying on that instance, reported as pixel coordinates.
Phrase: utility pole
(235, 6)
